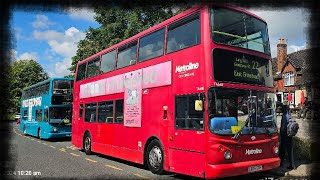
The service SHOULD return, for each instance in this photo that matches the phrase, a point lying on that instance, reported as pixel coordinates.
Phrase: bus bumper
(57, 135)
(240, 168)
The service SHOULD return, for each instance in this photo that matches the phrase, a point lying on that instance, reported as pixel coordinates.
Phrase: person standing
(286, 141)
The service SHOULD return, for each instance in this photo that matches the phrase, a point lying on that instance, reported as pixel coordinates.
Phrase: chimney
(281, 53)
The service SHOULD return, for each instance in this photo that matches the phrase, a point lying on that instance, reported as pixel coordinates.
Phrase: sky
(51, 38)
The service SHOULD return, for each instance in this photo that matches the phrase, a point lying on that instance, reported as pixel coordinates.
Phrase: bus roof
(45, 81)
(163, 24)
(143, 33)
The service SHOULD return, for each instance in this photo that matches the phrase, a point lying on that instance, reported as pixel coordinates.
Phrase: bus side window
(46, 115)
(39, 115)
(105, 112)
(186, 115)
(127, 55)
(108, 62)
(90, 112)
(119, 111)
(81, 74)
(93, 68)
(152, 45)
(184, 33)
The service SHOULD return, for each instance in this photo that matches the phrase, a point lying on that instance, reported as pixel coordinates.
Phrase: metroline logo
(253, 151)
(188, 67)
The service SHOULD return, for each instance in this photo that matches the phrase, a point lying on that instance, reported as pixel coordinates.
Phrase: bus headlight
(55, 130)
(227, 154)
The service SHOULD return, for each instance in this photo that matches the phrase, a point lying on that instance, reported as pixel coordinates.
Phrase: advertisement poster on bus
(132, 98)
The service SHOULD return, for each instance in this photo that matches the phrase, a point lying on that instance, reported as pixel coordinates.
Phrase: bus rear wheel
(24, 130)
(155, 157)
(87, 144)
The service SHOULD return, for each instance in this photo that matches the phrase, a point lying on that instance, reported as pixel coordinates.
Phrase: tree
(118, 24)
(24, 73)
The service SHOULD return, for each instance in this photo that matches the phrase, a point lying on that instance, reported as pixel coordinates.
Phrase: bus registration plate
(254, 168)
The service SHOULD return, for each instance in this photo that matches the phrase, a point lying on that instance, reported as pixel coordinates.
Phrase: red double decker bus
(191, 95)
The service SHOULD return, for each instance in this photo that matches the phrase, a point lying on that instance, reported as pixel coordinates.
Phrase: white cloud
(61, 44)
(64, 48)
(42, 21)
(60, 68)
(28, 56)
(48, 35)
(83, 13)
(290, 24)
(293, 48)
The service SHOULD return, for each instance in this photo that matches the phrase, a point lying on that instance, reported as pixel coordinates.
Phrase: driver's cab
(227, 114)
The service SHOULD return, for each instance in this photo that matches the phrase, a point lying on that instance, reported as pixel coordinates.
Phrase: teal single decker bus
(46, 108)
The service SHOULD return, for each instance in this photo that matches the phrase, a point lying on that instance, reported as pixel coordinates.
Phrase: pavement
(303, 169)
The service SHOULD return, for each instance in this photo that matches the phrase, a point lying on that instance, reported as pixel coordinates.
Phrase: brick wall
(281, 53)
(280, 83)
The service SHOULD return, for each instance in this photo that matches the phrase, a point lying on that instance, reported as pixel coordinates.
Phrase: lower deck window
(186, 116)
(90, 112)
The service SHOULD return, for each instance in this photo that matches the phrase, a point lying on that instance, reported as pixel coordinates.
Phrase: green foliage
(69, 76)
(24, 73)
(118, 24)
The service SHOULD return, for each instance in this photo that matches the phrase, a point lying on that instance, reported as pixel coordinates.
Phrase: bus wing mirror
(198, 106)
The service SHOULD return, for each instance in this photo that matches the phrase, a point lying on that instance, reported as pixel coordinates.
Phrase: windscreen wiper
(236, 136)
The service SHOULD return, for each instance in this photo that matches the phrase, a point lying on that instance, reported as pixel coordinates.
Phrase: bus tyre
(154, 157)
(24, 130)
(87, 144)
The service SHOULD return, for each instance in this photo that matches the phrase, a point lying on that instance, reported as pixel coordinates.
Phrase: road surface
(35, 158)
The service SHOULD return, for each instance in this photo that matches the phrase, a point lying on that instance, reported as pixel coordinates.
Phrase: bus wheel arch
(87, 143)
(154, 155)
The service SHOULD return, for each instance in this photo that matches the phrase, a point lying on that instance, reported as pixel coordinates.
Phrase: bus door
(187, 136)
(77, 121)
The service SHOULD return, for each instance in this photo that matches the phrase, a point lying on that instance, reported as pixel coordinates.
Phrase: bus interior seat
(223, 123)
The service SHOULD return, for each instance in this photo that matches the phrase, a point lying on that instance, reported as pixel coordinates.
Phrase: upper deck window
(62, 86)
(127, 55)
(93, 67)
(235, 28)
(36, 91)
(184, 33)
(108, 62)
(81, 74)
(151, 46)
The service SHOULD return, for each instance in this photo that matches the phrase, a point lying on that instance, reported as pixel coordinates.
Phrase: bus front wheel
(87, 144)
(155, 157)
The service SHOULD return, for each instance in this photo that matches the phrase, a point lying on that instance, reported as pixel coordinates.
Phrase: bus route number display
(238, 67)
